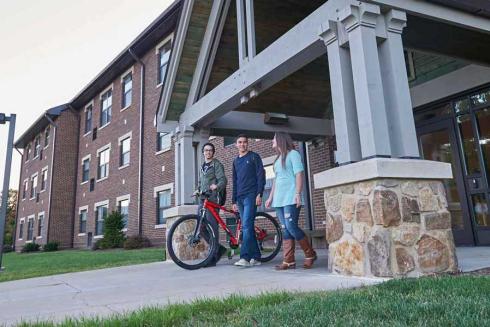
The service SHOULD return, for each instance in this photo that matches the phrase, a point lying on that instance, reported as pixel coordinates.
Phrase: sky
(51, 49)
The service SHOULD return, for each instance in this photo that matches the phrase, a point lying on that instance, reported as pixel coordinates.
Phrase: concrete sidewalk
(117, 290)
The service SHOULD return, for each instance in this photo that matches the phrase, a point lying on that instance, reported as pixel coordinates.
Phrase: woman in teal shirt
(285, 198)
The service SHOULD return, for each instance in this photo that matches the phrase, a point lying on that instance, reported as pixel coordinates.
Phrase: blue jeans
(247, 208)
(288, 216)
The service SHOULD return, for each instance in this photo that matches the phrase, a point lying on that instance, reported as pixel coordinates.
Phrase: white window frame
(105, 147)
(26, 182)
(49, 136)
(44, 170)
(34, 176)
(165, 149)
(122, 198)
(119, 142)
(96, 205)
(89, 157)
(22, 222)
(36, 155)
(107, 89)
(123, 76)
(157, 52)
(90, 104)
(33, 218)
(42, 213)
(80, 209)
(161, 188)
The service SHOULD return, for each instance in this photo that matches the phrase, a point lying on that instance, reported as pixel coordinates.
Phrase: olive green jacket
(214, 175)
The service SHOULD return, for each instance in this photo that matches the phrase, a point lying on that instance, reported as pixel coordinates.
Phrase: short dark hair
(240, 136)
(211, 145)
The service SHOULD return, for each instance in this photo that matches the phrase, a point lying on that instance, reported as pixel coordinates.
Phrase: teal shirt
(285, 182)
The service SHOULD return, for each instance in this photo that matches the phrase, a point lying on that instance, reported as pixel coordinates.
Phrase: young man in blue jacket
(248, 188)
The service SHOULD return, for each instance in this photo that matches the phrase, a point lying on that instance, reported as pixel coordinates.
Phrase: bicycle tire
(171, 251)
(278, 232)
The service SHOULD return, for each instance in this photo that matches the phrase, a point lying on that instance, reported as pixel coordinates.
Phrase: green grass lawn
(442, 301)
(27, 265)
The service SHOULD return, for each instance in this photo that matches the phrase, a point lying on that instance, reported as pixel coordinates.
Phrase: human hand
(213, 187)
(268, 203)
(258, 201)
(297, 200)
(234, 207)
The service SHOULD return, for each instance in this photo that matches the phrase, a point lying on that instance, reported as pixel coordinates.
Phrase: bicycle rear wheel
(191, 252)
(269, 236)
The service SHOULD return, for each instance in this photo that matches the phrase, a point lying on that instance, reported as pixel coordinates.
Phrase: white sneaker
(254, 262)
(243, 263)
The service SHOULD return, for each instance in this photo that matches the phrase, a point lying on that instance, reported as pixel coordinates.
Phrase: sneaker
(254, 262)
(243, 263)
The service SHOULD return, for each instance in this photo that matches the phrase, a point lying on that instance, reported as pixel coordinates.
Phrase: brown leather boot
(288, 262)
(310, 254)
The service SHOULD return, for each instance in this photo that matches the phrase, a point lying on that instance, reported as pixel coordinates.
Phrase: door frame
(465, 236)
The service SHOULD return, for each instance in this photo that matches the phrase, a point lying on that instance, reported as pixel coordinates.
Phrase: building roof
(476, 7)
(39, 125)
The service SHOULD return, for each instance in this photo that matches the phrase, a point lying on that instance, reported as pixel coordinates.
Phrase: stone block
(347, 258)
(386, 208)
(388, 183)
(348, 206)
(347, 189)
(437, 220)
(404, 261)
(365, 188)
(410, 210)
(379, 248)
(410, 189)
(363, 212)
(433, 255)
(334, 228)
(406, 234)
(333, 203)
(428, 201)
(361, 232)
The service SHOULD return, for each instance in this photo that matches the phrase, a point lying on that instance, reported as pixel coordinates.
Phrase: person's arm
(271, 195)
(234, 195)
(259, 170)
(298, 171)
(220, 176)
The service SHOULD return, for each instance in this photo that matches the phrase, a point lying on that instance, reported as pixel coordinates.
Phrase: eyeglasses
(208, 150)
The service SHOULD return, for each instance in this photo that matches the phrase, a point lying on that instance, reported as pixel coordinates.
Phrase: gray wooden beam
(250, 21)
(242, 32)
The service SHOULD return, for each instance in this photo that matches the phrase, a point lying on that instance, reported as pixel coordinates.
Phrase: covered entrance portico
(311, 64)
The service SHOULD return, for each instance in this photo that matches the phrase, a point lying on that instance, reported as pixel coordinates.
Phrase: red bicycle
(192, 243)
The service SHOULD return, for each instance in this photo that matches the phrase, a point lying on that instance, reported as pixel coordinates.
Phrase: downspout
(55, 128)
(75, 185)
(308, 200)
(14, 237)
(140, 150)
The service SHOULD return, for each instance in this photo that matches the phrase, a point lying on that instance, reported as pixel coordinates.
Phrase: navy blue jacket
(248, 176)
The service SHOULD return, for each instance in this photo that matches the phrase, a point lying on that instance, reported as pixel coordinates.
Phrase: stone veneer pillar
(388, 218)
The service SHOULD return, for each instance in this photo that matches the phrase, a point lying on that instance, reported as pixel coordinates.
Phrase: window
(164, 141)
(227, 140)
(85, 170)
(82, 217)
(46, 136)
(40, 224)
(269, 178)
(127, 90)
(103, 168)
(163, 203)
(124, 148)
(28, 152)
(163, 58)
(25, 188)
(106, 108)
(30, 229)
(100, 215)
(33, 186)
(410, 65)
(21, 230)
(44, 179)
(88, 119)
(37, 146)
(123, 208)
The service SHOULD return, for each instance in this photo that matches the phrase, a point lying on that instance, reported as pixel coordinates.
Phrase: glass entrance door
(437, 142)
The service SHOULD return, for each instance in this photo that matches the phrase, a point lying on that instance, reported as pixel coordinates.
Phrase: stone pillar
(388, 218)
(396, 89)
(185, 166)
(343, 99)
(360, 23)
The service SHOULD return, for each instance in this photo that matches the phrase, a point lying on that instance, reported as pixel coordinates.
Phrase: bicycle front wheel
(188, 250)
(269, 236)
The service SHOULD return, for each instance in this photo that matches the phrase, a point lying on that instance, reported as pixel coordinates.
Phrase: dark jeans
(288, 216)
(247, 208)
(215, 227)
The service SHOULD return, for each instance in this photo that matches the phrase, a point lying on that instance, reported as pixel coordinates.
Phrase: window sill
(83, 183)
(98, 237)
(102, 179)
(102, 127)
(82, 234)
(42, 191)
(29, 241)
(23, 199)
(38, 237)
(163, 151)
(20, 239)
(125, 108)
(159, 85)
(88, 133)
(161, 226)
(47, 146)
(34, 198)
(124, 229)
(125, 166)
(36, 157)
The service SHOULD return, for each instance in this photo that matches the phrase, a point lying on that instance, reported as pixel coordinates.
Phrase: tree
(10, 221)
(113, 234)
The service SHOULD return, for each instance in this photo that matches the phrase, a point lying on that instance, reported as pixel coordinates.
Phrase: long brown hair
(284, 144)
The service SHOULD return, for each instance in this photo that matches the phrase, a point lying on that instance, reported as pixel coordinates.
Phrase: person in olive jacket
(212, 178)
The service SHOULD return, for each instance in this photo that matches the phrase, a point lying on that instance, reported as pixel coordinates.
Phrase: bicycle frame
(211, 207)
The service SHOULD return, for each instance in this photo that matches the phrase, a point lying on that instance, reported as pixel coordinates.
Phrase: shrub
(51, 246)
(7, 248)
(30, 247)
(113, 234)
(136, 242)
(96, 245)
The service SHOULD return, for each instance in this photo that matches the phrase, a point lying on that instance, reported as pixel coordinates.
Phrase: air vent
(94, 134)
(37, 196)
(92, 184)
(41, 155)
